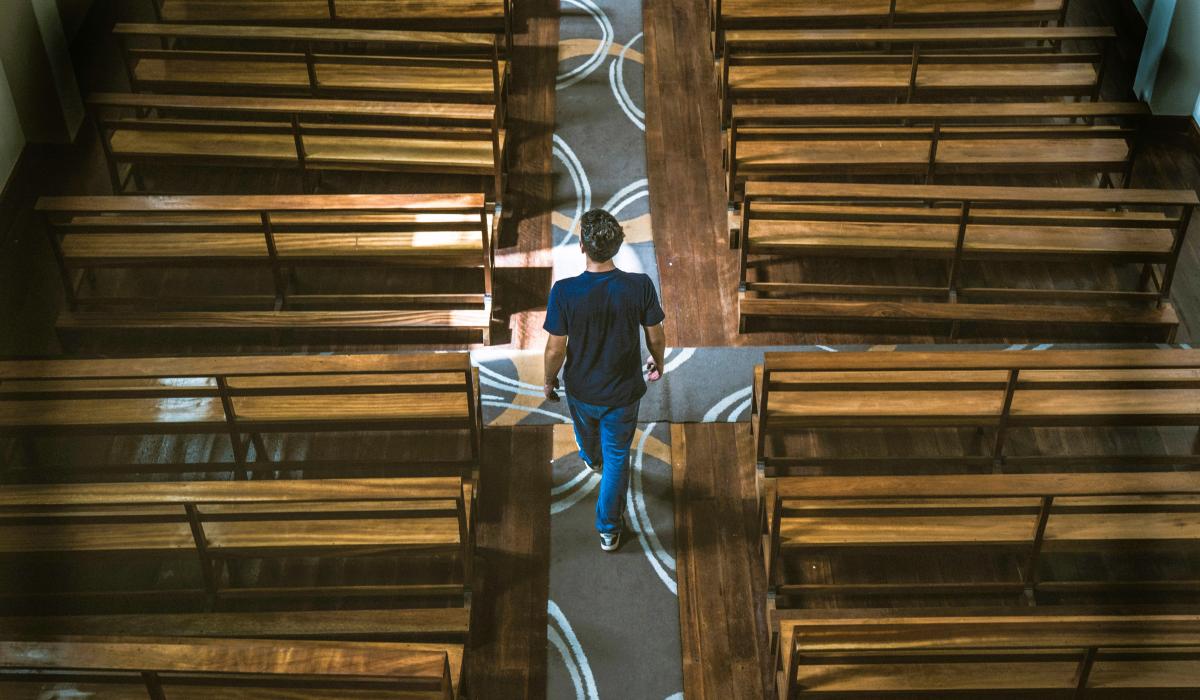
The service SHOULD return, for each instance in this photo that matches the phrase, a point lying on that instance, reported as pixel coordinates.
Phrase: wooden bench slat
(898, 530)
(922, 35)
(129, 538)
(1086, 359)
(420, 247)
(812, 237)
(981, 78)
(194, 655)
(320, 206)
(330, 75)
(468, 157)
(1117, 527)
(814, 408)
(243, 365)
(335, 535)
(294, 320)
(303, 106)
(933, 311)
(957, 155)
(282, 491)
(384, 407)
(318, 10)
(1106, 405)
(329, 34)
(952, 112)
(977, 193)
(816, 9)
(988, 485)
(342, 624)
(85, 413)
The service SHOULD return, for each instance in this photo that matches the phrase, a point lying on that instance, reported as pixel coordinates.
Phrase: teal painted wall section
(1168, 75)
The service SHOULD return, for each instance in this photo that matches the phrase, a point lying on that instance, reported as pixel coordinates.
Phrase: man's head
(600, 235)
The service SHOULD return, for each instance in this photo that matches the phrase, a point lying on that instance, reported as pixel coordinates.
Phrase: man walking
(595, 321)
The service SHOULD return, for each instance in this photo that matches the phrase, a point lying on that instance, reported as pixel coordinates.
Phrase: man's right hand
(550, 390)
(653, 372)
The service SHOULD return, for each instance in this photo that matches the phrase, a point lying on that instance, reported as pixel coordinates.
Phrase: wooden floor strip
(722, 590)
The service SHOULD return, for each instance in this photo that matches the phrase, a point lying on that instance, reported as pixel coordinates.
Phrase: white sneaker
(610, 541)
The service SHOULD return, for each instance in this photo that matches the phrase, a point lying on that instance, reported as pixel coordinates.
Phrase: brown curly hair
(601, 235)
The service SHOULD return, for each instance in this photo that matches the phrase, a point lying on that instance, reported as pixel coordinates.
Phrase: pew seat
(938, 654)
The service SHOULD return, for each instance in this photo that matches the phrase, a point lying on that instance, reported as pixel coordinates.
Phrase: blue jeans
(604, 434)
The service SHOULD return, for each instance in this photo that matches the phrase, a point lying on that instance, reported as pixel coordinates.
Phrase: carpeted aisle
(613, 618)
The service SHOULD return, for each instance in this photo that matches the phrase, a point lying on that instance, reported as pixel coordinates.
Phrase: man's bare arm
(656, 340)
(556, 355)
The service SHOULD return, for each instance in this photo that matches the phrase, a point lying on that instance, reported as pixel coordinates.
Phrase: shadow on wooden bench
(231, 529)
(1027, 655)
(930, 520)
(781, 142)
(314, 62)
(243, 398)
(998, 228)
(907, 65)
(446, 15)
(441, 238)
(745, 14)
(302, 134)
(988, 393)
(189, 668)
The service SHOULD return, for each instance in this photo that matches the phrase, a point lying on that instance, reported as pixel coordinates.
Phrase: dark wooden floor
(507, 657)
(722, 587)
(688, 202)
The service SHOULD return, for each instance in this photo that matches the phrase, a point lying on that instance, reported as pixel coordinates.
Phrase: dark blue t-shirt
(603, 314)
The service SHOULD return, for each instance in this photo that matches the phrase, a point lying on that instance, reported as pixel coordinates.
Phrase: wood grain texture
(860, 10)
(318, 10)
(269, 365)
(330, 34)
(508, 656)
(721, 584)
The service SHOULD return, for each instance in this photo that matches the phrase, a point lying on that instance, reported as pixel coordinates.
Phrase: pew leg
(139, 182)
(261, 453)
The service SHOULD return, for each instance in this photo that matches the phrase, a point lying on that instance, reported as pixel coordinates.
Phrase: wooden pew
(314, 62)
(186, 669)
(1029, 517)
(437, 236)
(225, 523)
(927, 140)
(243, 397)
(447, 625)
(926, 64)
(1005, 227)
(991, 392)
(1020, 655)
(453, 15)
(301, 134)
(725, 15)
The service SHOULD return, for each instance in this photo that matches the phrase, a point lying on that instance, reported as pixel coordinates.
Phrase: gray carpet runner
(613, 617)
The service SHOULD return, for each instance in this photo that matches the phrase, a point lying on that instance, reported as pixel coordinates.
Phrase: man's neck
(606, 266)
